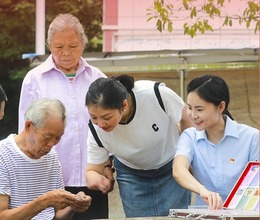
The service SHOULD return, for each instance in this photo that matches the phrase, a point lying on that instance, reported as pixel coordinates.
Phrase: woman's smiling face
(204, 114)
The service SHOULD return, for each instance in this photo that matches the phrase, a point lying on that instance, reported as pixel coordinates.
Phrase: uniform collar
(230, 130)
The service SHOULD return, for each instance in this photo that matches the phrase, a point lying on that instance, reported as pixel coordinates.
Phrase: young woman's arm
(183, 176)
(96, 180)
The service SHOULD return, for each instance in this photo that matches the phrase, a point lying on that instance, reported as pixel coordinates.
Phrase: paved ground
(244, 106)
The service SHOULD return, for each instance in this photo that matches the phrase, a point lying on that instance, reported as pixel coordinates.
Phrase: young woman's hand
(213, 199)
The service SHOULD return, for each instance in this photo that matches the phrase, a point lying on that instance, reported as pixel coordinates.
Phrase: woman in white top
(130, 124)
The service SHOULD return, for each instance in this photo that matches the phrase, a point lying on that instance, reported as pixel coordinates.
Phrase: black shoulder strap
(93, 131)
(158, 95)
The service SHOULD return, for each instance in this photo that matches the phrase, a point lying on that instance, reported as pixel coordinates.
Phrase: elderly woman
(66, 76)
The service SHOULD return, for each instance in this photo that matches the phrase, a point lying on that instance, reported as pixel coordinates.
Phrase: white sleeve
(96, 154)
(173, 103)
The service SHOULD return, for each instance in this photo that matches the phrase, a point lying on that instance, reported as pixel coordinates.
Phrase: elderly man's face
(40, 141)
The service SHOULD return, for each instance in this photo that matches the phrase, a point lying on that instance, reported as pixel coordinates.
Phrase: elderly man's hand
(60, 199)
(82, 202)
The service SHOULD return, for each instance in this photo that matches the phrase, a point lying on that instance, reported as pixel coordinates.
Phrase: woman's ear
(125, 105)
(222, 106)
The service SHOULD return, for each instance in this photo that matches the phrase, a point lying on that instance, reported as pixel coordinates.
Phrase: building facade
(126, 28)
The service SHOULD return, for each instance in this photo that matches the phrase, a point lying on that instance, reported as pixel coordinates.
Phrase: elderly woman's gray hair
(63, 21)
(42, 109)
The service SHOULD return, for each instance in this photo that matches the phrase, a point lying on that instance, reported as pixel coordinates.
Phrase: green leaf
(206, 8)
(257, 27)
(170, 28)
(225, 23)
(185, 4)
(247, 23)
(216, 11)
(192, 33)
(221, 2)
(230, 23)
(159, 25)
(186, 28)
(194, 27)
(149, 19)
(198, 10)
(169, 7)
(193, 12)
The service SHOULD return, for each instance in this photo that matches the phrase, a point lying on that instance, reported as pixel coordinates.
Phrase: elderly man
(31, 183)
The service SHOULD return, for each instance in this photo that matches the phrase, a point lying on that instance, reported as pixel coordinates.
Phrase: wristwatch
(109, 166)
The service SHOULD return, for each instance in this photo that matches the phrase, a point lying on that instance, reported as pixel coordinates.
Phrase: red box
(242, 202)
(245, 193)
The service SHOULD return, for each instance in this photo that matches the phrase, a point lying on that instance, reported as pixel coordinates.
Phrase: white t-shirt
(149, 140)
(24, 179)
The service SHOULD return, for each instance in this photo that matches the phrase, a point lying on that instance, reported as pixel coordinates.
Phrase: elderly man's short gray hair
(42, 109)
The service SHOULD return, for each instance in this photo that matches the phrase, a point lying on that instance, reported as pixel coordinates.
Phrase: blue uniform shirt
(219, 166)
